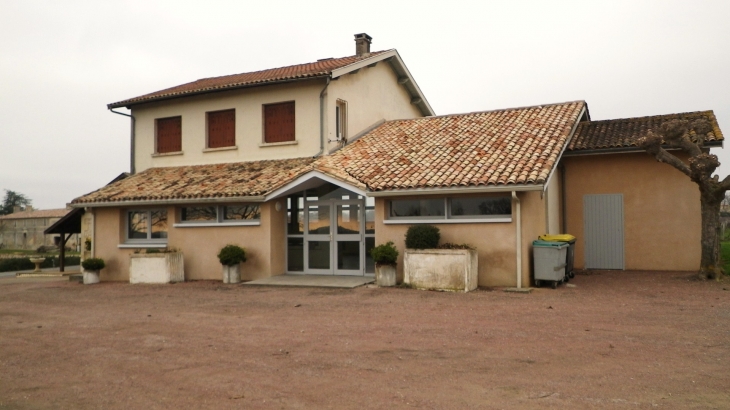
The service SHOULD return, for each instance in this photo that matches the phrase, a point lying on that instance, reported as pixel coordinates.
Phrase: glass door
(347, 246)
(333, 237)
(318, 246)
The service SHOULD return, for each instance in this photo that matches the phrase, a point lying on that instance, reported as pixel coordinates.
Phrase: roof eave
(128, 104)
(624, 150)
(400, 69)
(172, 201)
(583, 111)
(457, 190)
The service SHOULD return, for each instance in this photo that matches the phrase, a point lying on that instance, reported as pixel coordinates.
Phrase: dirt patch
(616, 340)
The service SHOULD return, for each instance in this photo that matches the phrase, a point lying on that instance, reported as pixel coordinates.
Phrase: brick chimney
(16, 209)
(362, 44)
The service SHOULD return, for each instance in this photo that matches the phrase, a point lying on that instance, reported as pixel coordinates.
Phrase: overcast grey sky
(61, 62)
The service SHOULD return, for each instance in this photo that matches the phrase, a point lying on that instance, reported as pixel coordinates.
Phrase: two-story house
(309, 166)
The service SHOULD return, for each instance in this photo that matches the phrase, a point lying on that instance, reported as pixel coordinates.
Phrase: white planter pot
(232, 274)
(156, 267)
(91, 277)
(385, 275)
(441, 269)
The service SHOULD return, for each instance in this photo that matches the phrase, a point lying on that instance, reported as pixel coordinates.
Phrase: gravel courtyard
(617, 340)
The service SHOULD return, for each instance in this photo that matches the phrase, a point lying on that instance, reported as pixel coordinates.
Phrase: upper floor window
(341, 120)
(168, 134)
(279, 122)
(221, 129)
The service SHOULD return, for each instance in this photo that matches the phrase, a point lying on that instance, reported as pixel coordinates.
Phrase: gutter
(455, 190)
(132, 135)
(321, 117)
(631, 150)
(170, 201)
(518, 236)
(128, 104)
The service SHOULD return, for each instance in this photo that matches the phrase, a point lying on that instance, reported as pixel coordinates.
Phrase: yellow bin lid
(557, 238)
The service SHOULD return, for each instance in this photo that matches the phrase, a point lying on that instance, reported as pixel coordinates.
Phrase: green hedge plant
(422, 237)
(232, 255)
(95, 264)
(385, 254)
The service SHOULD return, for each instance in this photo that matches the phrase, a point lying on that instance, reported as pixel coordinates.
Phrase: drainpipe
(518, 235)
(563, 196)
(131, 159)
(321, 118)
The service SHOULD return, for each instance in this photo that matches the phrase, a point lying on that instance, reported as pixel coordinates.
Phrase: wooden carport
(69, 224)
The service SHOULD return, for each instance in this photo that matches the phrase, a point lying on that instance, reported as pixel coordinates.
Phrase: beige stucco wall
(372, 94)
(661, 208)
(495, 242)
(265, 245)
(248, 104)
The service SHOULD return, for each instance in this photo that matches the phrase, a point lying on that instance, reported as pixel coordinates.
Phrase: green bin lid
(548, 244)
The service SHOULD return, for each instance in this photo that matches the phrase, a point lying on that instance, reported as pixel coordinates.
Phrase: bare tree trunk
(710, 265)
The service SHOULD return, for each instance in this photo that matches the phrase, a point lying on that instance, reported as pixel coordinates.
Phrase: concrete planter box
(232, 274)
(385, 275)
(156, 268)
(91, 277)
(441, 269)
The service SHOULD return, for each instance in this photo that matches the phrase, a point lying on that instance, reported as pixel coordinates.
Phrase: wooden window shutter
(279, 122)
(169, 135)
(222, 129)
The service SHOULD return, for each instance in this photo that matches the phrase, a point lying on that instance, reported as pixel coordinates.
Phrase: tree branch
(652, 143)
(725, 184)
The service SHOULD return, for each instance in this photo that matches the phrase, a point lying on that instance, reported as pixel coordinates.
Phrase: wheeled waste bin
(549, 260)
(570, 258)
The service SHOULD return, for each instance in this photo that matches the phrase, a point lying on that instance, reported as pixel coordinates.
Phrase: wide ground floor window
(450, 209)
(146, 226)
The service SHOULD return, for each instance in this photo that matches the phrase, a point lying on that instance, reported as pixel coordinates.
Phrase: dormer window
(279, 122)
(221, 129)
(168, 135)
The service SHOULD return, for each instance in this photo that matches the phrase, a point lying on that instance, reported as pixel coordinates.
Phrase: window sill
(141, 245)
(166, 154)
(215, 224)
(277, 144)
(232, 148)
(447, 221)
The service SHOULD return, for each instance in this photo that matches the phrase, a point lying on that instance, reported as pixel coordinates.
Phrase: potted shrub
(157, 266)
(231, 257)
(92, 266)
(426, 265)
(386, 258)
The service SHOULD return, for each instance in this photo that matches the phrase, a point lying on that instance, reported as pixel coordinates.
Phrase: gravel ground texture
(610, 340)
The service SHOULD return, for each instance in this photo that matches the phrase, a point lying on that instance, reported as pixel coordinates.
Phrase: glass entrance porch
(330, 231)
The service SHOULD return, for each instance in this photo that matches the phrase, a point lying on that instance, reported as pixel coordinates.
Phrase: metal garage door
(603, 230)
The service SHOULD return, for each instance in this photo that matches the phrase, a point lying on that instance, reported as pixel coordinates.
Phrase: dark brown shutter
(279, 122)
(222, 129)
(169, 135)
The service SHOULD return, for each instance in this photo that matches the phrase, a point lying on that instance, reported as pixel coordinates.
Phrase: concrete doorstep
(316, 281)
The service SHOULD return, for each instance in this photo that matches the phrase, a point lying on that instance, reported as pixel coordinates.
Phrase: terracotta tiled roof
(37, 213)
(294, 72)
(504, 147)
(239, 179)
(623, 133)
(512, 146)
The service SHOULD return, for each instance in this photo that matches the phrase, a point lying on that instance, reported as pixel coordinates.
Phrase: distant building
(23, 229)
